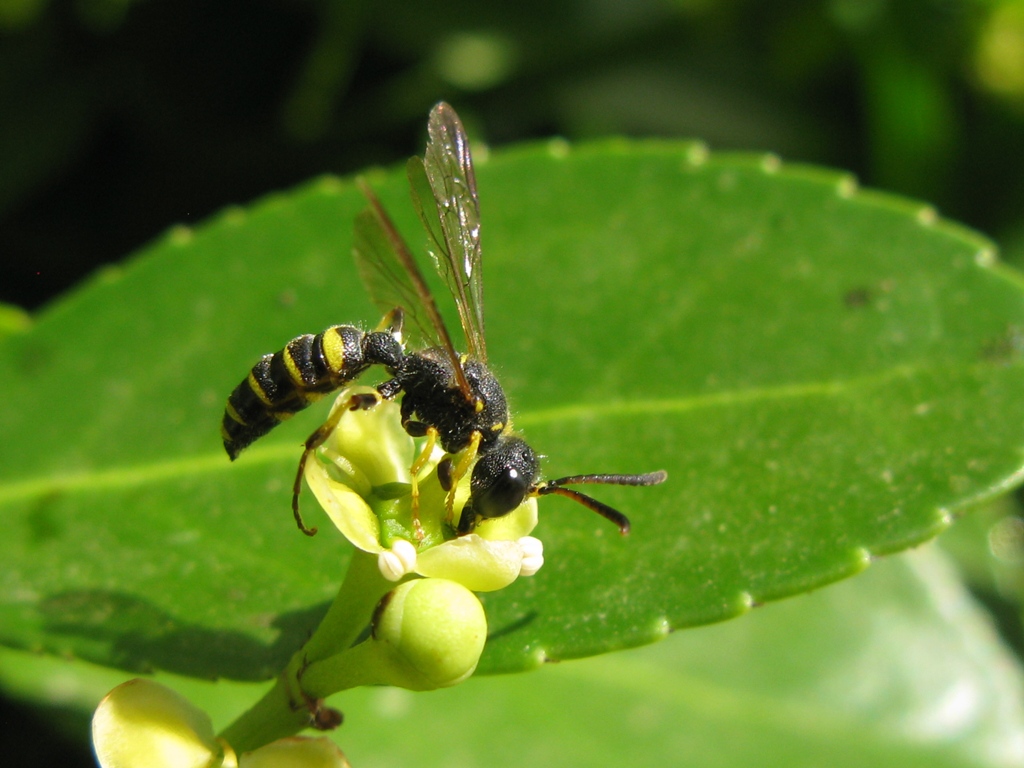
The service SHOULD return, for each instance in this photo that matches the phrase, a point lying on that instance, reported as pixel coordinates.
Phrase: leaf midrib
(127, 477)
(711, 400)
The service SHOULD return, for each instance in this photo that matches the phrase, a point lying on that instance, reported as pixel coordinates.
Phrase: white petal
(390, 566)
(406, 552)
(533, 555)
(396, 562)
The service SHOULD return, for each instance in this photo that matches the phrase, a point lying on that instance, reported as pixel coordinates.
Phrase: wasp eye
(503, 478)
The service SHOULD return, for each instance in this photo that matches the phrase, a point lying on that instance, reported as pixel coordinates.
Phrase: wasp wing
(391, 277)
(385, 276)
(444, 194)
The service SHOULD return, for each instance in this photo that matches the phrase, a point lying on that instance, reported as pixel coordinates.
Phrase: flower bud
(142, 723)
(435, 629)
(297, 752)
(427, 634)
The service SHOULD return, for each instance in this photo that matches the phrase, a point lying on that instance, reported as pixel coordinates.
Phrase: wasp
(453, 400)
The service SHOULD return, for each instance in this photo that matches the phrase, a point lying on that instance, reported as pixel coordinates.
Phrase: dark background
(120, 118)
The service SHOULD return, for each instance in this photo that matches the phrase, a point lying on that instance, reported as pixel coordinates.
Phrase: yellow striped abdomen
(308, 368)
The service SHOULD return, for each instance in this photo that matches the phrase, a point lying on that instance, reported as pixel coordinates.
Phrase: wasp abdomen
(309, 367)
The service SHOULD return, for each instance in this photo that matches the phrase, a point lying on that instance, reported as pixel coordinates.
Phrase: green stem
(365, 664)
(351, 611)
(272, 717)
(283, 710)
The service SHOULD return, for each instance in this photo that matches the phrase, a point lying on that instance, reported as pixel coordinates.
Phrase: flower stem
(272, 717)
(284, 709)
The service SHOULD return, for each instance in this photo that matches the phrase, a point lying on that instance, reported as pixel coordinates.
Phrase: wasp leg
(444, 473)
(454, 476)
(432, 435)
(389, 389)
(360, 402)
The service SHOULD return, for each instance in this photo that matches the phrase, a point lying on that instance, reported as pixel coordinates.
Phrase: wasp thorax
(432, 399)
(491, 412)
(502, 479)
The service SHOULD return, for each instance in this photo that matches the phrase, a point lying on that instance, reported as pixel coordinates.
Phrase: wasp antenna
(592, 504)
(648, 478)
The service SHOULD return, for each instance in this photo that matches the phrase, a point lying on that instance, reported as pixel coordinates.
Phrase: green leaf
(826, 374)
(896, 668)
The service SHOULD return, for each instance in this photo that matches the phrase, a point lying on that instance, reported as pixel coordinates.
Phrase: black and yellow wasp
(450, 399)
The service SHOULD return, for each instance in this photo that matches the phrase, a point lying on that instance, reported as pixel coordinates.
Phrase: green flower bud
(296, 752)
(427, 634)
(435, 629)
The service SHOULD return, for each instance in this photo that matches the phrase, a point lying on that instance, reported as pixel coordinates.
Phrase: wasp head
(501, 481)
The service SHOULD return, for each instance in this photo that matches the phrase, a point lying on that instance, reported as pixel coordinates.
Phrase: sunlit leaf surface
(826, 374)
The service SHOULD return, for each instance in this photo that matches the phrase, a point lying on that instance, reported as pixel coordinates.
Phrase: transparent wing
(444, 194)
(390, 274)
(385, 275)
